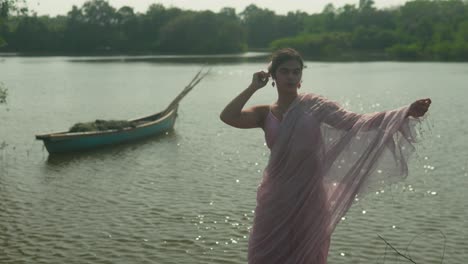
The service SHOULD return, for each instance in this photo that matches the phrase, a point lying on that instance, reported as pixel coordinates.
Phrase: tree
(127, 28)
(372, 38)
(347, 18)
(31, 35)
(406, 52)
(331, 45)
(416, 19)
(6, 7)
(74, 36)
(318, 23)
(418, 30)
(151, 23)
(228, 12)
(290, 25)
(91, 28)
(260, 25)
(100, 22)
(460, 51)
(204, 32)
(366, 5)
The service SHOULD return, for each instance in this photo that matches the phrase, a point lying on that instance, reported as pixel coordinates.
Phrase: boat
(144, 127)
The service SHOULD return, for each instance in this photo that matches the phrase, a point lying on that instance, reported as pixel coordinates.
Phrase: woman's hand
(259, 80)
(419, 108)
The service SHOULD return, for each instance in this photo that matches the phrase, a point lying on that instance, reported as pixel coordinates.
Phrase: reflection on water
(201, 59)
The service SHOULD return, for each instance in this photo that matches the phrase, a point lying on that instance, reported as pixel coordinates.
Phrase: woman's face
(288, 75)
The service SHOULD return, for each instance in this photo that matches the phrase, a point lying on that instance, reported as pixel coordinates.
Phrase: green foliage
(442, 50)
(204, 32)
(417, 30)
(406, 52)
(372, 38)
(7, 7)
(91, 28)
(329, 45)
(31, 34)
(260, 25)
(3, 94)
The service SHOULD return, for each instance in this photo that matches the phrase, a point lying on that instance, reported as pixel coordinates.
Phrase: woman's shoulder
(318, 102)
(312, 97)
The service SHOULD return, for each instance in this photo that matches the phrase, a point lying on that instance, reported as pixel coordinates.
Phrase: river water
(188, 196)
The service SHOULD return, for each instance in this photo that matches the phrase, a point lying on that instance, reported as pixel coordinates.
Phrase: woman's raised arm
(234, 114)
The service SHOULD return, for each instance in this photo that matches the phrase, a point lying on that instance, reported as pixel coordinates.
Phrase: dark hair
(281, 56)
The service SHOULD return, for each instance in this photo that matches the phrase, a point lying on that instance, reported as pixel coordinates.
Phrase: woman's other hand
(419, 107)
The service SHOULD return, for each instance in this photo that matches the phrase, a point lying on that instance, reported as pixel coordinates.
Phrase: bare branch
(398, 252)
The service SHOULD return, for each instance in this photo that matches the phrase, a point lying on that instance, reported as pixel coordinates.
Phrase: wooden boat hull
(147, 126)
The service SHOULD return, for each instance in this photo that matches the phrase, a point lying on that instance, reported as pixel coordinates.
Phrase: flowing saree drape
(322, 158)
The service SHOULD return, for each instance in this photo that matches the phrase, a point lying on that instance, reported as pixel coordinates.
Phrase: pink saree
(322, 158)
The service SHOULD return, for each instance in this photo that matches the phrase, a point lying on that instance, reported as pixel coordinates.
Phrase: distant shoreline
(255, 55)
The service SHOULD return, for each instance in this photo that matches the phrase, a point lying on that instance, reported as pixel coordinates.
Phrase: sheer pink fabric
(322, 158)
(271, 128)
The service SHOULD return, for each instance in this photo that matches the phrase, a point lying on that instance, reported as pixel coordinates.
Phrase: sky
(61, 7)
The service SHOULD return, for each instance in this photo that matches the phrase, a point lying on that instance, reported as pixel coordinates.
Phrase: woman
(322, 157)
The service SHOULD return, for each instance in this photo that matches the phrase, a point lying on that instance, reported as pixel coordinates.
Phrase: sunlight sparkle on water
(429, 167)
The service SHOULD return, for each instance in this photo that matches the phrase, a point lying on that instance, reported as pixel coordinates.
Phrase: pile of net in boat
(100, 125)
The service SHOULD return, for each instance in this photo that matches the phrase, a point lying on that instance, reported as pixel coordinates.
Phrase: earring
(299, 85)
(273, 83)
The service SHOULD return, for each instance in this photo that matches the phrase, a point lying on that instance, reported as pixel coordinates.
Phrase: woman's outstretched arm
(338, 117)
(234, 114)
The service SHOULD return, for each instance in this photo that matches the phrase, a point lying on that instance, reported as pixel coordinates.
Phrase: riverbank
(254, 55)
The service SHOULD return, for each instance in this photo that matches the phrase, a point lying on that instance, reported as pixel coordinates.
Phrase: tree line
(417, 30)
